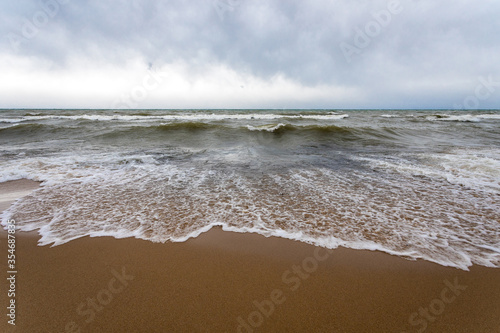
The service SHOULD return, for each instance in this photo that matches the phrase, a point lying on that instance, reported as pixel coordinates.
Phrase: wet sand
(230, 282)
(12, 190)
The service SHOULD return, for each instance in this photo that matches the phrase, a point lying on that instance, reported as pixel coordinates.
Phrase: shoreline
(231, 282)
(12, 190)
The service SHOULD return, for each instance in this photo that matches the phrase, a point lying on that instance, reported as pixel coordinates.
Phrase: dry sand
(218, 281)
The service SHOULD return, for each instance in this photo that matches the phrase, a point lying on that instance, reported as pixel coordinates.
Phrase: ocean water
(418, 184)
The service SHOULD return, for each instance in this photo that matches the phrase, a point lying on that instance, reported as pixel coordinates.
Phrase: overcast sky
(250, 54)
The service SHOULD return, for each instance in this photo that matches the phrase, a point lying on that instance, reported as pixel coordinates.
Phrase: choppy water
(420, 184)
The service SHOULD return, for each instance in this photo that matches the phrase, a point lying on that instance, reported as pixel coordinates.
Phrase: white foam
(478, 169)
(323, 117)
(489, 116)
(12, 120)
(97, 195)
(471, 169)
(267, 128)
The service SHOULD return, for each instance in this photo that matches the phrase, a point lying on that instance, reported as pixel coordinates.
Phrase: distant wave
(390, 116)
(12, 120)
(178, 117)
(445, 117)
(26, 128)
(144, 117)
(464, 117)
(214, 131)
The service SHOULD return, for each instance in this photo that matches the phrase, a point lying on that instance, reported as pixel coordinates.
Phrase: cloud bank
(250, 54)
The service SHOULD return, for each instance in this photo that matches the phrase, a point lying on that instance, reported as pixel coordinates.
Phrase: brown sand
(207, 283)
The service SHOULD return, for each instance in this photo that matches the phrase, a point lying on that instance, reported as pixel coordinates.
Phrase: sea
(420, 184)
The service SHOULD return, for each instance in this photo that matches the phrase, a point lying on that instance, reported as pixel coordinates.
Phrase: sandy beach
(231, 282)
(250, 166)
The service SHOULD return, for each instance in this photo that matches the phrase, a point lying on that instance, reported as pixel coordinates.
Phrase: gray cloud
(429, 54)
